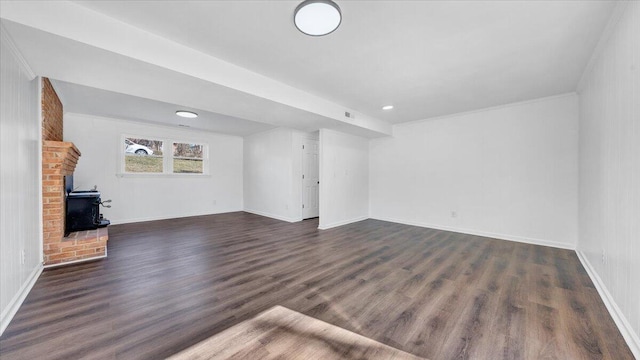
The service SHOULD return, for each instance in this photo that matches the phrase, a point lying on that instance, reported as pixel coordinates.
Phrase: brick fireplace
(60, 158)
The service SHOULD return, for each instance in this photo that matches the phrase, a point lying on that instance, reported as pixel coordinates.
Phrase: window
(187, 158)
(144, 155)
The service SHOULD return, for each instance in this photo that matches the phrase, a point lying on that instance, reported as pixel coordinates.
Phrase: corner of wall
(616, 15)
(11, 45)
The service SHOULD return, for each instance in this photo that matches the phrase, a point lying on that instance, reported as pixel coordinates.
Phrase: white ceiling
(87, 100)
(427, 58)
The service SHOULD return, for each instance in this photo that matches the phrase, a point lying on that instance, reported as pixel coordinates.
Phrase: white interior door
(310, 179)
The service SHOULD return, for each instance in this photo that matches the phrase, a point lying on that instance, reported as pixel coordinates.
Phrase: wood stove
(83, 209)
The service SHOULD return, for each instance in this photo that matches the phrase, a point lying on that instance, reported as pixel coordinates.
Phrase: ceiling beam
(88, 31)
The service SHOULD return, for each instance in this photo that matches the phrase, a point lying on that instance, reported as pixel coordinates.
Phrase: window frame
(205, 156)
(167, 157)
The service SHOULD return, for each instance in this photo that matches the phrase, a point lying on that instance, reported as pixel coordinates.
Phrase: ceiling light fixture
(317, 17)
(387, 107)
(186, 114)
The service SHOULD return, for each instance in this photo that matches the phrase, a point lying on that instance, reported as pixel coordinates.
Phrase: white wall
(610, 171)
(271, 163)
(151, 197)
(20, 185)
(508, 172)
(344, 178)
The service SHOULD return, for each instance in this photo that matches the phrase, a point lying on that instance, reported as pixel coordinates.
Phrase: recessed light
(186, 114)
(387, 107)
(317, 17)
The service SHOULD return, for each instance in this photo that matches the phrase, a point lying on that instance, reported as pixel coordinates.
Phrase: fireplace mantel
(59, 157)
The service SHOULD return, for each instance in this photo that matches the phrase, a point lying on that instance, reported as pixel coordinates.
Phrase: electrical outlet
(215, 202)
(604, 257)
(454, 214)
(23, 257)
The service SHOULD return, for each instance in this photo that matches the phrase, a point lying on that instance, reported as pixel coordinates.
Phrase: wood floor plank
(170, 284)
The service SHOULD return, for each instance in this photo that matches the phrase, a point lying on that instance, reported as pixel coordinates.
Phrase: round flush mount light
(387, 107)
(186, 114)
(317, 17)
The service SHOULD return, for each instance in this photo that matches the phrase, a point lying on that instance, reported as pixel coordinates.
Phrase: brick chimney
(59, 158)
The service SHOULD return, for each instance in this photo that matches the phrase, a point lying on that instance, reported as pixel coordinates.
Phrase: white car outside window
(133, 148)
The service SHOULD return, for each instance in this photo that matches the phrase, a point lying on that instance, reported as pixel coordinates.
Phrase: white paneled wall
(268, 181)
(141, 198)
(344, 178)
(509, 172)
(609, 213)
(273, 173)
(20, 214)
(269, 186)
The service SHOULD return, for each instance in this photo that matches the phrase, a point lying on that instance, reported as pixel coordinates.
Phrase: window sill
(152, 175)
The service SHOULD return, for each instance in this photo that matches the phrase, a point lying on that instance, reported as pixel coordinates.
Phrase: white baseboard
(340, 223)
(625, 328)
(167, 217)
(15, 303)
(521, 239)
(273, 216)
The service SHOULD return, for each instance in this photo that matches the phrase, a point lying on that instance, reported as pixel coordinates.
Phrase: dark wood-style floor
(170, 284)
